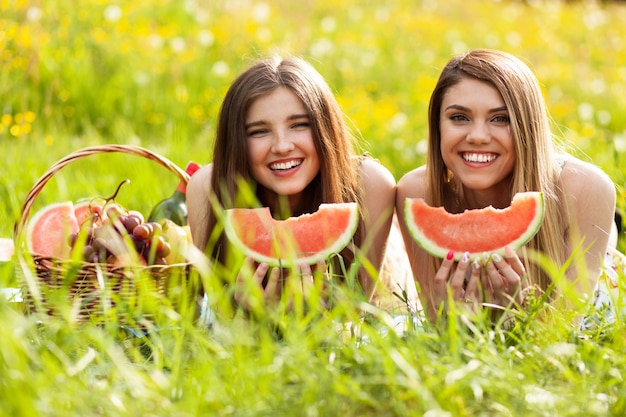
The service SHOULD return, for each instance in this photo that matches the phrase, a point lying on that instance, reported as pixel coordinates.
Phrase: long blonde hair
(536, 168)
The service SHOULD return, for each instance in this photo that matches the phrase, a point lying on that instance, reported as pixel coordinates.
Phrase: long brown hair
(337, 180)
(536, 168)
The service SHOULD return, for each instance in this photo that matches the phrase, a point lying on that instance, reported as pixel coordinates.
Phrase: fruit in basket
(178, 239)
(84, 210)
(48, 228)
(476, 231)
(54, 226)
(122, 238)
(302, 239)
(98, 231)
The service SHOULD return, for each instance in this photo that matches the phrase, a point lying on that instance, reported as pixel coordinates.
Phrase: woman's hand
(312, 289)
(267, 286)
(498, 282)
(504, 279)
(250, 293)
(461, 279)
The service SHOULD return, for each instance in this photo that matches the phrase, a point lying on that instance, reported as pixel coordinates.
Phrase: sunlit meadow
(153, 73)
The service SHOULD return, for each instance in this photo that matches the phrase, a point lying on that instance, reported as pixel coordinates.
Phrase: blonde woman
(489, 138)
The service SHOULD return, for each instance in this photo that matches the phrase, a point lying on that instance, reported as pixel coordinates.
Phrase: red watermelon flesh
(85, 210)
(49, 228)
(302, 239)
(475, 231)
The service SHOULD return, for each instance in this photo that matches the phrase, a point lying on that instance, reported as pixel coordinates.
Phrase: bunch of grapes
(110, 235)
(115, 235)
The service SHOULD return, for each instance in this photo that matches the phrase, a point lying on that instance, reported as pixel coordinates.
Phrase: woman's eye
(458, 118)
(301, 125)
(257, 132)
(501, 119)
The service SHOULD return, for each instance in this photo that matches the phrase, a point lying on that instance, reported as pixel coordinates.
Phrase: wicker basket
(93, 291)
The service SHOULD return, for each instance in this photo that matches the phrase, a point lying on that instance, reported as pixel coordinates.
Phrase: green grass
(153, 73)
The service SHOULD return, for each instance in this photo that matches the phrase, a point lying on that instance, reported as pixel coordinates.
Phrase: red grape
(142, 232)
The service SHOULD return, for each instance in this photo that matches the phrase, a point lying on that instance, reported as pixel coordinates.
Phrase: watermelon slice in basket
(49, 229)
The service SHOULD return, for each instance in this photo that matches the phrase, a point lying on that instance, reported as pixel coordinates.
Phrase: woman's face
(476, 141)
(282, 155)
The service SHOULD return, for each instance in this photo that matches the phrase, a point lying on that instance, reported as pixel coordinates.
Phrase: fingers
(504, 277)
(492, 278)
(321, 271)
(500, 277)
(516, 263)
(248, 283)
(472, 290)
(307, 278)
(458, 280)
(440, 290)
(259, 284)
(316, 283)
(271, 284)
(455, 279)
(273, 287)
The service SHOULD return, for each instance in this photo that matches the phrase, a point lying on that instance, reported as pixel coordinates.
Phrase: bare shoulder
(379, 190)
(582, 178)
(590, 195)
(376, 175)
(200, 182)
(198, 190)
(412, 184)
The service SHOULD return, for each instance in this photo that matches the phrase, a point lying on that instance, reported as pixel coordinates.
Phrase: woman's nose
(479, 133)
(281, 143)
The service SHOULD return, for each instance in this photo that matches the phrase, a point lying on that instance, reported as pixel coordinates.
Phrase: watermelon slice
(296, 240)
(475, 231)
(49, 228)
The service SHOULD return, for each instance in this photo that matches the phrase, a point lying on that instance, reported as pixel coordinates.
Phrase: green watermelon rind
(432, 248)
(338, 244)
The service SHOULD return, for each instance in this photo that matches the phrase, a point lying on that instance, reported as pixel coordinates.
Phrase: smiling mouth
(478, 157)
(283, 166)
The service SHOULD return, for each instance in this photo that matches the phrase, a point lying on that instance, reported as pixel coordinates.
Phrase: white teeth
(285, 165)
(478, 157)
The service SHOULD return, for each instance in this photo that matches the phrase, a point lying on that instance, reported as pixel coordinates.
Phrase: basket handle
(81, 153)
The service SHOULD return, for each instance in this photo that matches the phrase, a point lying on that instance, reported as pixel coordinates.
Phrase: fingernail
(476, 264)
(465, 258)
(486, 256)
(450, 255)
(496, 257)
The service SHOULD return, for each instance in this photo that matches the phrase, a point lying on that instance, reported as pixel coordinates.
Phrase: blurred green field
(153, 73)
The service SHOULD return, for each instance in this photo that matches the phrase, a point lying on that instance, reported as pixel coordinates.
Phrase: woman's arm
(590, 196)
(378, 199)
(413, 185)
(198, 205)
